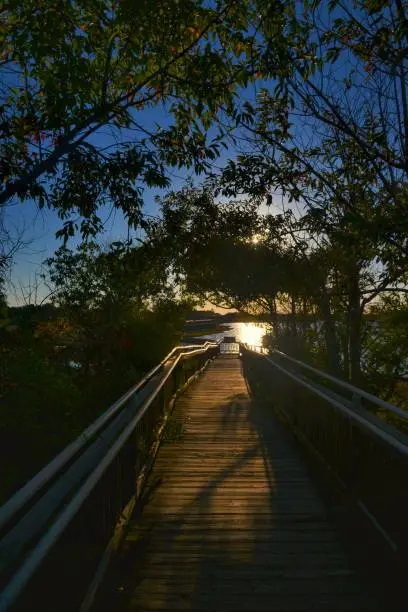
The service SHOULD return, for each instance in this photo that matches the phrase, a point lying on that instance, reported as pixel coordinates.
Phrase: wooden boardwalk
(231, 520)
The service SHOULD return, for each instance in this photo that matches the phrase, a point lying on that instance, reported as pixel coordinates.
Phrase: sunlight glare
(251, 334)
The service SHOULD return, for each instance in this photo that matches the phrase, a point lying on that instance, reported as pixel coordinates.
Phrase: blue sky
(38, 228)
(38, 233)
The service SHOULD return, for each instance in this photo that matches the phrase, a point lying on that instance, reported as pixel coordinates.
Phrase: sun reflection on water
(250, 333)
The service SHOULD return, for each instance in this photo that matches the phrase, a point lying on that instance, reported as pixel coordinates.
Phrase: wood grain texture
(230, 519)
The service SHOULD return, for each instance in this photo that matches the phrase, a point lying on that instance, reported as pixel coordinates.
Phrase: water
(247, 333)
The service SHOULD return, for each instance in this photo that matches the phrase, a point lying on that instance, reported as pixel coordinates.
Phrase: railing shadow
(354, 573)
(202, 565)
(254, 536)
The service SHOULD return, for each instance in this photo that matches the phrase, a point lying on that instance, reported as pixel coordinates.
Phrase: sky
(37, 228)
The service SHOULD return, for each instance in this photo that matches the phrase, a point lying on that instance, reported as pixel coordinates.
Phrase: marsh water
(247, 333)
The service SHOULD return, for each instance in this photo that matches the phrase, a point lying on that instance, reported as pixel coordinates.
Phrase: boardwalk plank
(230, 518)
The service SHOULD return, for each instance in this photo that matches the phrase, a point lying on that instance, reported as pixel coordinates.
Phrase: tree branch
(20, 186)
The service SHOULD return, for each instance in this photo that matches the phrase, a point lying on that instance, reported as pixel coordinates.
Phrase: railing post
(356, 401)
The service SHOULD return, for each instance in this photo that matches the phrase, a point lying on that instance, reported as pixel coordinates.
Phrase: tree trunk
(293, 317)
(330, 334)
(345, 350)
(354, 316)
(355, 346)
(274, 318)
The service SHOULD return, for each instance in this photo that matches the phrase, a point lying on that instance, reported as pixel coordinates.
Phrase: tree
(369, 39)
(114, 301)
(385, 349)
(115, 315)
(347, 216)
(72, 68)
(234, 257)
(197, 236)
(347, 83)
(317, 266)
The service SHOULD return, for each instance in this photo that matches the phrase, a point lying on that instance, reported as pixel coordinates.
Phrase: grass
(173, 431)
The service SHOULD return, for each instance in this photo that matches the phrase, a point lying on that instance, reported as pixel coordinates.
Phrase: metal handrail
(61, 522)
(31, 563)
(345, 385)
(390, 439)
(357, 392)
(23, 496)
(395, 444)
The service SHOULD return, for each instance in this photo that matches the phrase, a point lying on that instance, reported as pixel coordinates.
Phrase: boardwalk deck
(231, 519)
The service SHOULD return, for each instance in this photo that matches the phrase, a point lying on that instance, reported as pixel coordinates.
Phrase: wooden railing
(341, 423)
(57, 534)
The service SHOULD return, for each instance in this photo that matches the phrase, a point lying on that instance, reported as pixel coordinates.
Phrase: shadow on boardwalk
(230, 519)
